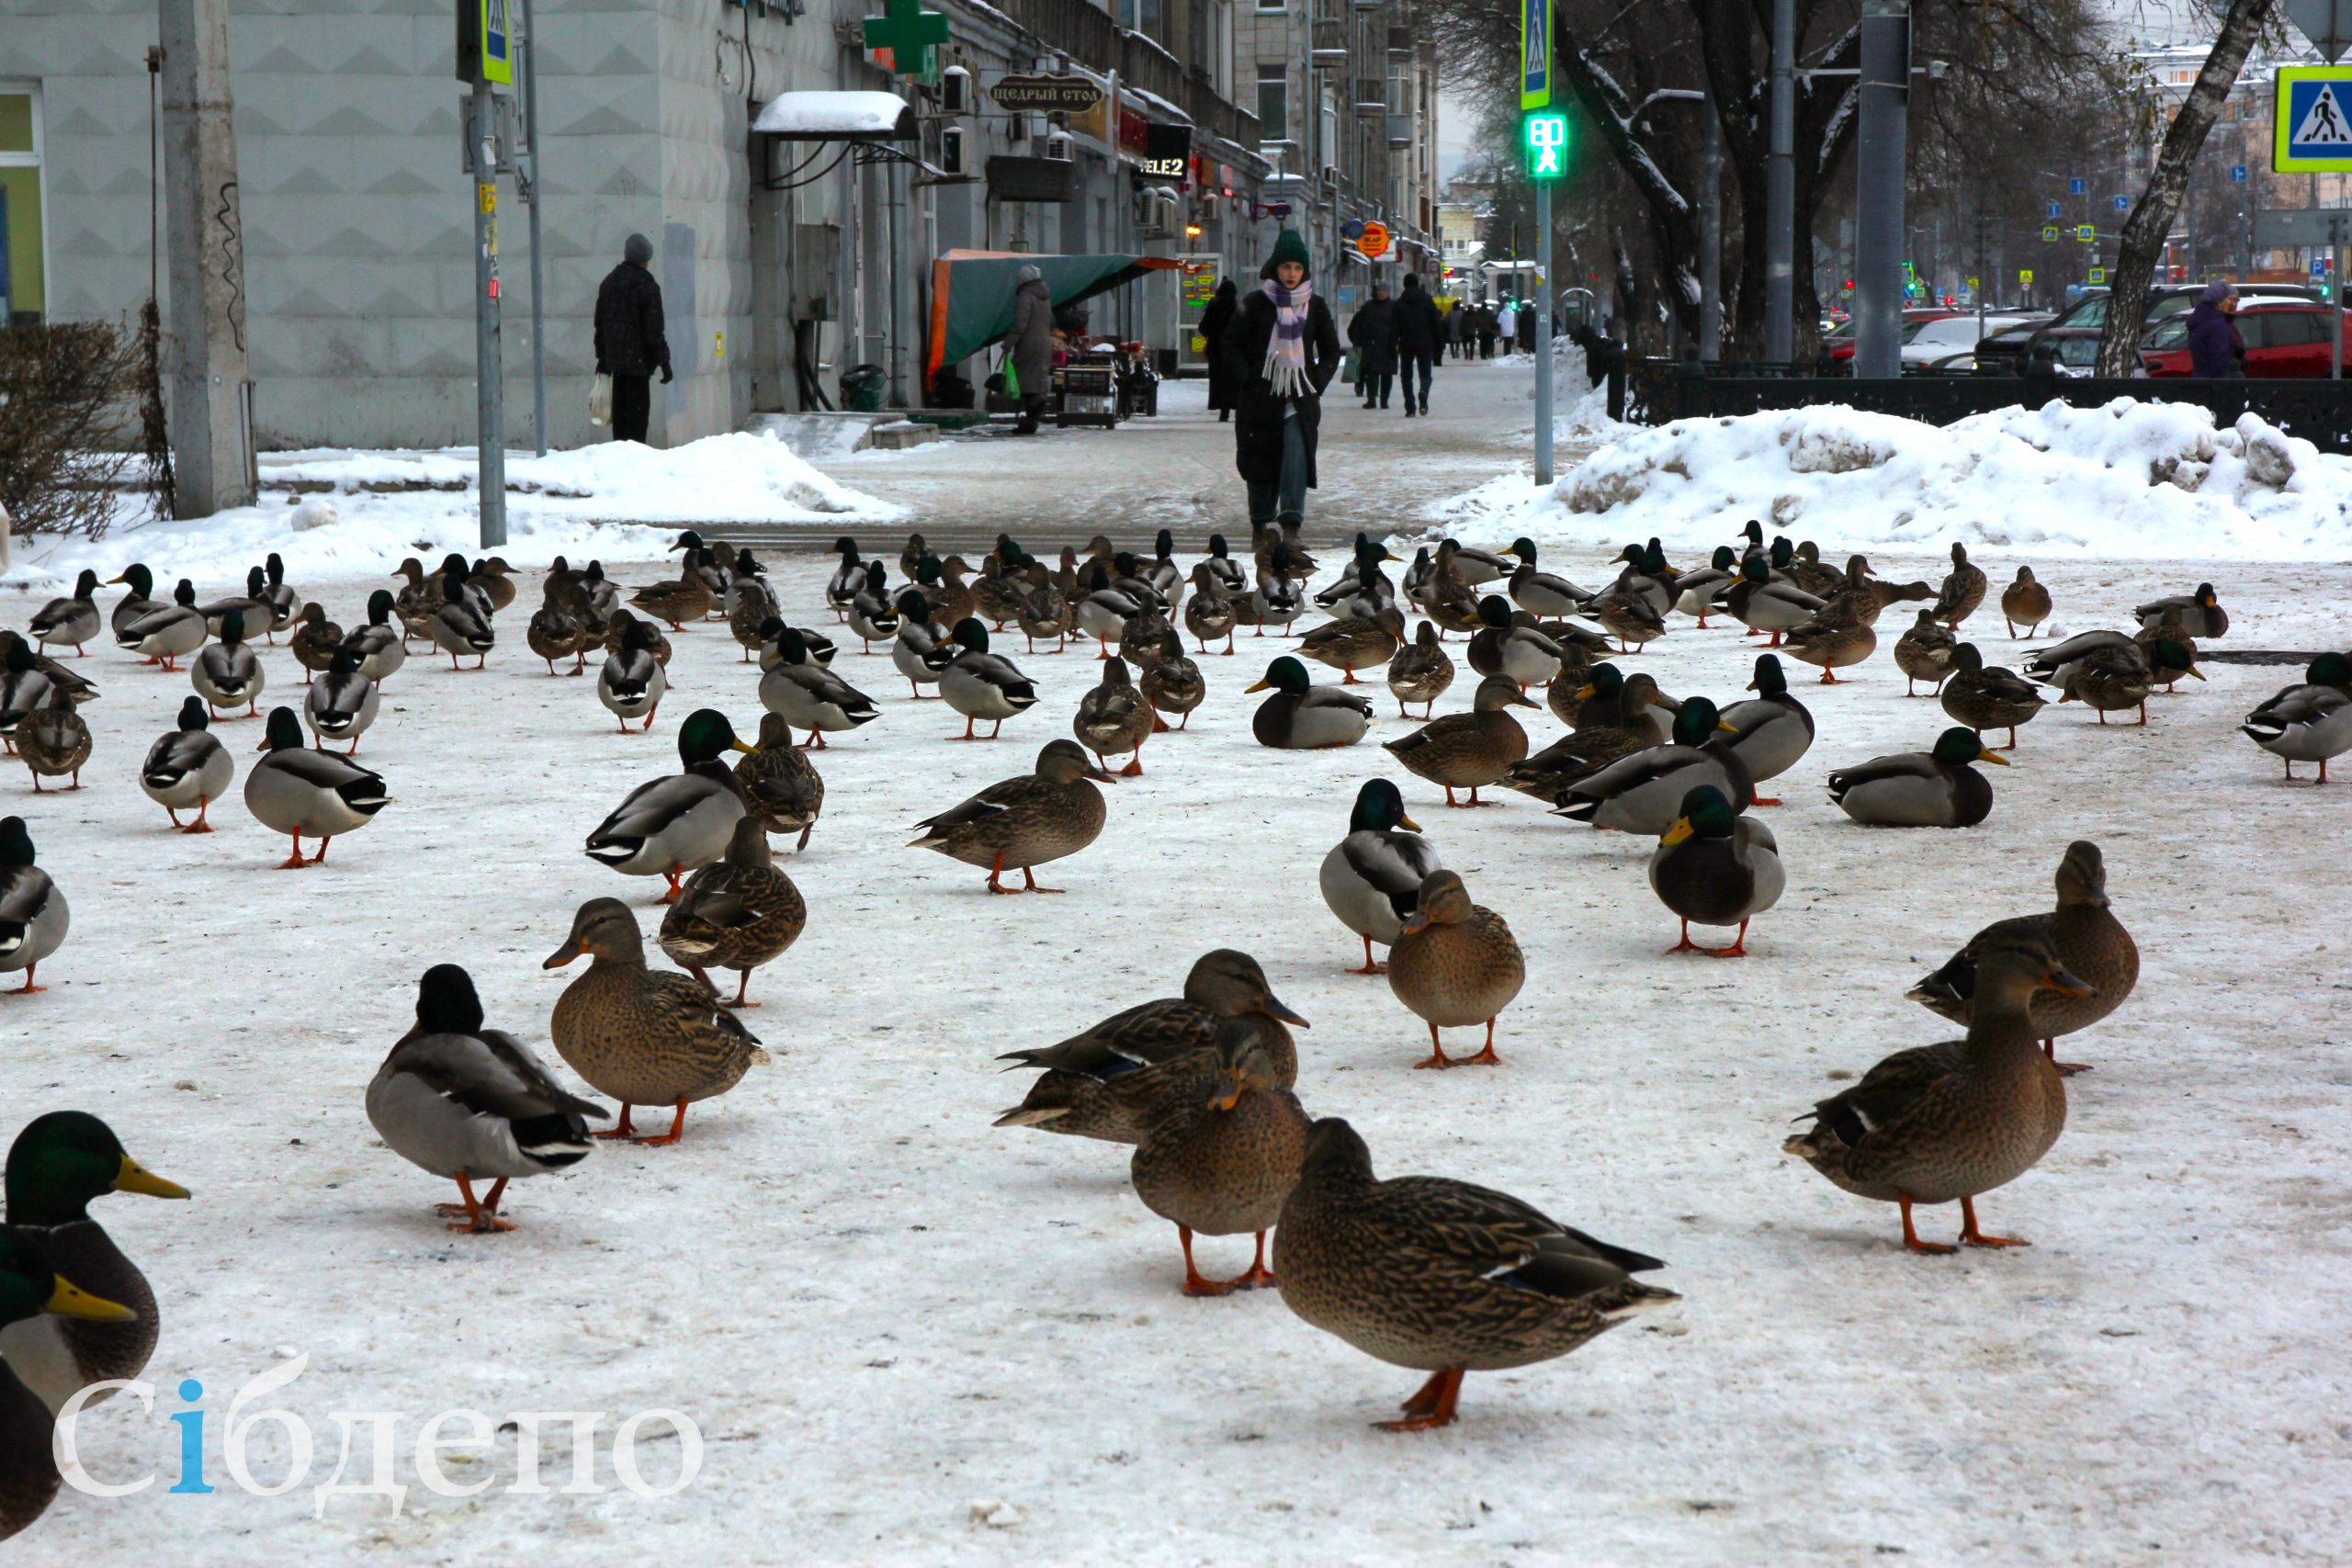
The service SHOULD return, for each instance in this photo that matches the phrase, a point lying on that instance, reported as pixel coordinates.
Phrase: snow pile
(332, 510)
(2130, 479)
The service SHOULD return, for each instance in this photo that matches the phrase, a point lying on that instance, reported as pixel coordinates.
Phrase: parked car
(2036, 351)
(2282, 340)
(1948, 346)
(1838, 348)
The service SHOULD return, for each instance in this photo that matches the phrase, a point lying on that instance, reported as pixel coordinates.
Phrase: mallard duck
(848, 580)
(1542, 593)
(71, 621)
(1095, 1084)
(1302, 718)
(1280, 551)
(1628, 616)
(341, 704)
(459, 624)
(602, 597)
(1455, 963)
(163, 636)
(1139, 638)
(495, 579)
(1938, 1123)
(814, 699)
(1362, 589)
(1761, 604)
(1773, 730)
(1225, 568)
(472, 1104)
(1022, 823)
(1642, 793)
(59, 1165)
(918, 550)
(1716, 868)
(294, 790)
(1372, 879)
(1222, 1151)
(2307, 723)
(1468, 751)
(415, 602)
(920, 651)
(681, 821)
(1803, 566)
(1986, 697)
(54, 740)
(1831, 640)
(33, 917)
(872, 614)
(954, 598)
(2024, 602)
(1276, 601)
(1354, 644)
(554, 632)
(2116, 679)
(996, 597)
(632, 681)
(1162, 572)
(1962, 590)
(1510, 646)
(140, 600)
(642, 1038)
(1478, 568)
(1115, 716)
(1936, 788)
(1044, 610)
(1420, 672)
(28, 680)
(2086, 937)
(780, 784)
(31, 1289)
(187, 769)
(1603, 697)
(1174, 684)
(253, 604)
(1445, 596)
(314, 640)
(981, 685)
(1441, 1276)
(228, 672)
(1100, 611)
(1584, 751)
(2198, 614)
(1695, 592)
(1923, 653)
(688, 598)
(737, 913)
(750, 601)
(1644, 578)
(379, 644)
(816, 647)
(699, 563)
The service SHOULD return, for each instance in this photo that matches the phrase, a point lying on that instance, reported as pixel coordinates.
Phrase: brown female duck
(1022, 823)
(1468, 751)
(736, 913)
(1456, 965)
(1221, 1151)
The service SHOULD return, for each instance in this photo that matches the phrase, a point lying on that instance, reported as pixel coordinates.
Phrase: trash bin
(862, 389)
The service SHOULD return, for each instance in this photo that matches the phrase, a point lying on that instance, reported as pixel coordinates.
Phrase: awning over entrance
(837, 117)
(971, 293)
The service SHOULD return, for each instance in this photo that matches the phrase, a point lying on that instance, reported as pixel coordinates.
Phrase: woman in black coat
(1213, 322)
(1281, 350)
(1372, 331)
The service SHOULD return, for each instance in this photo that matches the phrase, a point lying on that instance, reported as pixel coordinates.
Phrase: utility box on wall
(815, 248)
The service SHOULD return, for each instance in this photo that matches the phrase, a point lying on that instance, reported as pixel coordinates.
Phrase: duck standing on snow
(2119, 677)
(253, 604)
(979, 684)
(460, 623)
(632, 682)
(871, 616)
(188, 768)
(781, 785)
(2024, 602)
(1762, 604)
(1021, 823)
(555, 632)
(1114, 717)
(642, 1038)
(737, 913)
(848, 580)
(162, 636)
(1952, 1121)
(314, 640)
(1962, 590)
(682, 822)
(1222, 1151)
(294, 790)
(1455, 965)
(71, 621)
(1986, 696)
(30, 1289)
(1420, 672)
(1300, 716)
(1923, 653)
(1505, 645)
(341, 704)
(57, 1166)
(1468, 751)
(54, 739)
(33, 913)
(380, 644)
(1717, 869)
(922, 649)
(1441, 1276)
(228, 672)
(285, 602)
(140, 600)
(1174, 684)
(2307, 723)
(1372, 879)
(1772, 731)
(812, 698)
(1642, 793)
(1936, 788)
(1209, 611)
(1543, 593)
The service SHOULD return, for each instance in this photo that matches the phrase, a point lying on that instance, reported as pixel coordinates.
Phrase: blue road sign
(2052, 209)
(1534, 54)
(2237, 173)
(2122, 204)
(2075, 187)
(2319, 265)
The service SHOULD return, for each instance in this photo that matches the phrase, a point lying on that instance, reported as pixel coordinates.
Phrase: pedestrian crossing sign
(2313, 120)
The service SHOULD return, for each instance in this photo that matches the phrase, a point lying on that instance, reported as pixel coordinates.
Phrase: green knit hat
(1288, 247)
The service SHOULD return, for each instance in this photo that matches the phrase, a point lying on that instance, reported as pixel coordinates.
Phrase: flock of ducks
(1435, 1275)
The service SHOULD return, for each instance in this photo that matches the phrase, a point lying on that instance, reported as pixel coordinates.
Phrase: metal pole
(1711, 232)
(539, 281)
(1542, 332)
(1878, 189)
(1983, 275)
(1781, 192)
(891, 174)
(489, 369)
(2336, 296)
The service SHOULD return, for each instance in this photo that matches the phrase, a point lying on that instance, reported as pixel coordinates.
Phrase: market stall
(971, 309)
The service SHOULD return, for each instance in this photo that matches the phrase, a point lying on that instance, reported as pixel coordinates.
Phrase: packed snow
(909, 1337)
(811, 112)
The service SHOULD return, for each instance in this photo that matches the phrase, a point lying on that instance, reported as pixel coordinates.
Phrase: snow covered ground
(908, 1338)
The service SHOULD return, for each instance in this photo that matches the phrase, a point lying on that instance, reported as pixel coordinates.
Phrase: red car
(2282, 340)
(1840, 343)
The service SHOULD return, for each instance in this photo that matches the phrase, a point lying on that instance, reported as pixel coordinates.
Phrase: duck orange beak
(1984, 755)
(563, 955)
(2069, 983)
(1408, 824)
(1675, 834)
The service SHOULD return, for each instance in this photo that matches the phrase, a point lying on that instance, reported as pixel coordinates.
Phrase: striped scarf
(1286, 345)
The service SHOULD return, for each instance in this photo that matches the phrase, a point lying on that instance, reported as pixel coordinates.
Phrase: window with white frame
(23, 275)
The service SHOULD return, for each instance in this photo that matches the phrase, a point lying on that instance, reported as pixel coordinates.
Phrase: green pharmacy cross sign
(1547, 146)
(911, 34)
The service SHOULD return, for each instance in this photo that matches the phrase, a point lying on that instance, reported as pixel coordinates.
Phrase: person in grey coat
(1031, 345)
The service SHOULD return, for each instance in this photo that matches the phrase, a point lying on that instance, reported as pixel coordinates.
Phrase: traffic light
(1547, 145)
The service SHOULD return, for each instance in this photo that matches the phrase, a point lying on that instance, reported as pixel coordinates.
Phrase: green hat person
(1288, 248)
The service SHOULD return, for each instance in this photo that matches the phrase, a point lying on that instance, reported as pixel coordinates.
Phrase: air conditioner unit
(1330, 173)
(951, 150)
(1058, 146)
(955, 91)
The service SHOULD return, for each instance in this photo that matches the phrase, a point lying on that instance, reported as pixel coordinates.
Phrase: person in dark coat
(1419, 329)
(2215, 349)
(1372, 331)
(1031, 343)
(1488, 324)
(1283, 349)
(631, 344)
(1213, 322)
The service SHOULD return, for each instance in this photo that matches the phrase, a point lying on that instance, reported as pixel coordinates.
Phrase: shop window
(23, 294)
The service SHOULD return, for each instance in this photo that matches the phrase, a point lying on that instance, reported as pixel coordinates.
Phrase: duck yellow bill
(134, 1177)
(1408, 824)
(1259, 687)
(2194, 674)
(1584, 692)
(67, 1299)
(1675, 834)
(1985, 754)
(742, 746)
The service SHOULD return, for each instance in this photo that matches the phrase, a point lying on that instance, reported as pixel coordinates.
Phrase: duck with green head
(1642, 793)
(33, 916)
(1772, 731)
(71, 621)
(380, 643)
(187, 769)
(1542, 593)
(1301, 716)
(1936, 788)
(1695, 592)
(682, 821)
(2307, 723)
(140, 600)
(1717, 868)
(294, 790)
(1372, 879)
(31, 1288)
(227, 672)
(2117, 679)
(60, 1164)
(164, 634)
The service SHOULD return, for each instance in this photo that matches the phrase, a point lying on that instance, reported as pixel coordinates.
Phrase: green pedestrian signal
(1547, 146)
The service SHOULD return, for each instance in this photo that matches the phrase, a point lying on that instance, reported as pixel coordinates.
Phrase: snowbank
(2131, 479)
(326, 509)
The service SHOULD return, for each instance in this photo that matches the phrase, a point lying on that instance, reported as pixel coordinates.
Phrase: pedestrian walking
(2215, 349)
(1283, 349)
(1031, 343)
(1372, 331)
(631, 344)
(1215, 320)
(1507, 325)
(1419, 332)
(1487, 324)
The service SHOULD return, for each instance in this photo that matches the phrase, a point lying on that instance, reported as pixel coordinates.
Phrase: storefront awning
(971, 293)
(837, 117)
